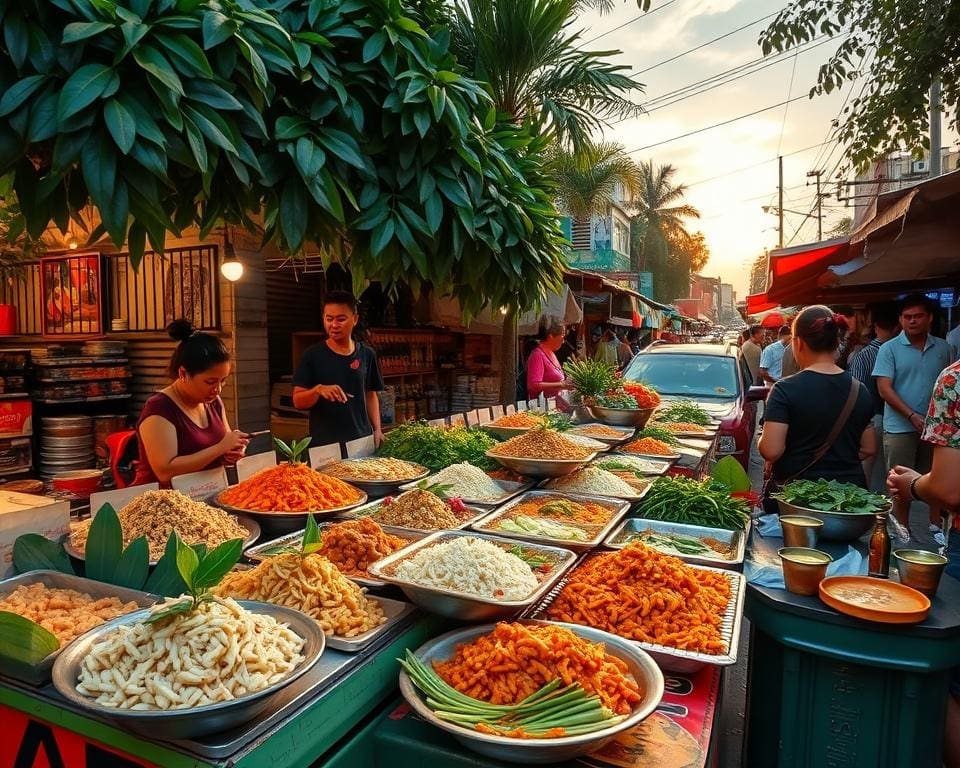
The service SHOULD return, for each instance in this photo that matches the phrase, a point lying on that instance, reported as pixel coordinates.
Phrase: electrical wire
(786, 108)
(630, 21)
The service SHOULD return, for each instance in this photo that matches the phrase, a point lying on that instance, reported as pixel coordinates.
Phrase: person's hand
(899, 480)
(232, 457)
(917, 422)
(331, 392)
(234, 440)
(377, 437)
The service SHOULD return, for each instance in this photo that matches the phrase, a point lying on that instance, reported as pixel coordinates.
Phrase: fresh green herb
(658, 433)
(569, 708)
(539, 527)
(707, 503)
(618, 399)
(438, 447)
(672, 542)
(558, 421)
(200, 573)
(440, 490)
(534, 560)
(591, 378)
(833, 496)
(685, 411)
(294, 451)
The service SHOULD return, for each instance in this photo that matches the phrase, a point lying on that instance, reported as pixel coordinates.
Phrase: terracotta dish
(881, 600)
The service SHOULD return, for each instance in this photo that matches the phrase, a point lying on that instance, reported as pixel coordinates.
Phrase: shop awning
(445, 311)
(794, 272)
(760, 302)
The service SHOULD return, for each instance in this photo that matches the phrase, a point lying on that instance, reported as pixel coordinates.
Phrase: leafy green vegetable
(672, 542)
(294, 451)
(558, 421)
(33, 552)
(731, 473)
(23, 641)
(165, 579)
(833, 496)
(658, 433)
(685, 411)
(104, 545)
(622, 400)
(540, 527)
(707, 503)
(535, 560)
(134, 564)
(312, 538)
(438, 447)
(591, 378)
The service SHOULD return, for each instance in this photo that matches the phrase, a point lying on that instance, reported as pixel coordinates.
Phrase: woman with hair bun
(818, 421)
(183, 427)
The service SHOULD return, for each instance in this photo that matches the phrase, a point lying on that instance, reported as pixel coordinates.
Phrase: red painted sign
(29, 743)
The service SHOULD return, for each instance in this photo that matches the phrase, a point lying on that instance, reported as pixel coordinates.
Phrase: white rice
(593, 480)
(469, 482)
(473, 566)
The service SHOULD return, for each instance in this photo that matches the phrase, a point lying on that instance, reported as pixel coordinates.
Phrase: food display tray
(40, 673)
(660, 466)
(676, 659)
(293, 539)
(378, 488)
(275, 523)
(671, 457)
(332, 667)
(252, 526)
(461, 605)
(636, 496)
(616, 506)
(394, 610)
(625, 432)
(510, 490)
(368, 509)
(735, 539)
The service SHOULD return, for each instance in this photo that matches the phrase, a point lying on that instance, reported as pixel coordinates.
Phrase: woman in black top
(802, 409)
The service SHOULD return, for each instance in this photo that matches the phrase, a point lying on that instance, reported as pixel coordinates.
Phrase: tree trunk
(508, 358)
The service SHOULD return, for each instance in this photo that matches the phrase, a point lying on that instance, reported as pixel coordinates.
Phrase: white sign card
(485, 417)
(324, 454)
(457, 420)
(250, 465)
(201, 485)
(361, 447)
(120, 497)
(496, 411)
(472, 418)
(521, 405)
(441, 422)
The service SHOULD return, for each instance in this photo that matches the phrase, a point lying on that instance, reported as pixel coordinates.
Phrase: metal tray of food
(736, 540)
(370, 509)
(541, 467)
(252, 526)
(283, 522)
(704, 433)
(677, 659)
(671, 457)
(505, 433)
(190, 722)
(552, 484)
(40, 674)
(376, 488)
(591, 443)
(625, 432)
(263, 551)
(464, 606)
(596, 531)
(645, 466)
(510, 489)
(394, 610)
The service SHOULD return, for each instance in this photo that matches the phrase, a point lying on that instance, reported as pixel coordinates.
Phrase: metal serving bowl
(541, 467)
(622, 417)
(837, 526)
(196, 721)
(375, 489)
(278, 523)
(462, 605)
(642, 667)
(504, 433)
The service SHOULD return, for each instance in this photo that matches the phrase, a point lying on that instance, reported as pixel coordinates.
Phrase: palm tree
(587, 179)
(664, 243)
(536, 69)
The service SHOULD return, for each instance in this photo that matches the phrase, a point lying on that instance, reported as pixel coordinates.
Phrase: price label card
(250, 465)
(324, 454)
(360, 448)
(484, 416)
(437, 422)
(511, 408)
(496, 411)
(201, 485)
(521, 405)
(551, 404)
(472, 418)
(458, 420)
(120, 497)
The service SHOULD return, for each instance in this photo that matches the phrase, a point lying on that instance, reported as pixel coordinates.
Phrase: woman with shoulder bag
(818, 421)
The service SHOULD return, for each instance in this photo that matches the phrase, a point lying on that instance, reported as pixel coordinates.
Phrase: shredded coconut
(593, 480)
(469, 482)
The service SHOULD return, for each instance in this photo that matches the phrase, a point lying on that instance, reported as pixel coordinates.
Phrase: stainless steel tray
(252, 526)
(40, 674)
(591, 443)
(541, 467)
(676, 659)
(510, 489)
(284, 522)
(617, 508)
(737, 540)
(369, 509)
(539, 751)
(625, 432)
(377, 488)
(195, 721)
(395, 611)
(646, 466)
(463, 606)
(637, 494)
(672, 458)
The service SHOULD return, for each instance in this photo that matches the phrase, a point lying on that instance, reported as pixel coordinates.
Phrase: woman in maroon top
(183, 427)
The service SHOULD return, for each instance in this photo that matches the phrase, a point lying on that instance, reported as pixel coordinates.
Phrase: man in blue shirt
(907, 367)
(771, 359)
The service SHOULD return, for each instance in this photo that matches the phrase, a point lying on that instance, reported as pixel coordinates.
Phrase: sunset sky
(731, 170)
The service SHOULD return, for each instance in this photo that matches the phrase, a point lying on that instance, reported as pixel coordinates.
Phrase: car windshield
(686, 375)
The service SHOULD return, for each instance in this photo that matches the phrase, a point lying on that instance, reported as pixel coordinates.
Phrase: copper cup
(800, 531)
(804, 569)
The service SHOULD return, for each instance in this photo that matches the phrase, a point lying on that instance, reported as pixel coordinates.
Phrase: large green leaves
(85, 86)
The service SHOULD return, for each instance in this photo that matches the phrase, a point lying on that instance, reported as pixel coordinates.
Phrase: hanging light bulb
(73, 243)
(231, 267)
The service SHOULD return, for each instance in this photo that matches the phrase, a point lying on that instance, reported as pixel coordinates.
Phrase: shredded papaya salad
(529, 681)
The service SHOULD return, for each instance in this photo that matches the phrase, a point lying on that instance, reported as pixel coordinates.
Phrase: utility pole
(780, 202)
(935, 139)
(818, 174)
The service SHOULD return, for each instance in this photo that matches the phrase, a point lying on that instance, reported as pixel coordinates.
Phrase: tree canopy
(898, 47)
(588, 180)
(344, 124)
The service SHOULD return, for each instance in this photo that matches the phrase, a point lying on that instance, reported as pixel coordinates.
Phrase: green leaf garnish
(23, 641)
(216, 564)
(33, 552)
(104, 545)
(312, 538)
(293, 452)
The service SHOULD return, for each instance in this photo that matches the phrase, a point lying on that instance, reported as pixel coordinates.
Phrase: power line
(786, 108)
(743, 168)
(708, 42)
(630, 21)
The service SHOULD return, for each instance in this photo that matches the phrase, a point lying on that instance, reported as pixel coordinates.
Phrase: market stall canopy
(445, 311)
(794, 272)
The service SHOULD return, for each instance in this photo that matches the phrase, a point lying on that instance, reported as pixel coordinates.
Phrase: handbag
(771, 486)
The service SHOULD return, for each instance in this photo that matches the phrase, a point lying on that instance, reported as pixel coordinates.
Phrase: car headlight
(727, 444)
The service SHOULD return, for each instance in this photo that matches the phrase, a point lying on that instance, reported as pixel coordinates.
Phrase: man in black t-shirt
(338, 379)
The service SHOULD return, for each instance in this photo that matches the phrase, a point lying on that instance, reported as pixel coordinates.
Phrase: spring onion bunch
(552, 711)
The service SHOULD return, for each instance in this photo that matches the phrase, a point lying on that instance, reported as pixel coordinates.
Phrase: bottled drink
(880, 548)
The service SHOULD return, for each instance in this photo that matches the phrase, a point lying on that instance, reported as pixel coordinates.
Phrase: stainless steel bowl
(622, 417)
(920, 569)
(278, 523)
(461, 605)
(504, 433)
(837, 526)
(541, 467)
(625, 432)
(378, 488)
(539, 751)
(196, 721)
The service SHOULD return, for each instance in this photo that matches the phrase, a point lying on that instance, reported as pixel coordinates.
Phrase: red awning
(759, 302)
(794, 271)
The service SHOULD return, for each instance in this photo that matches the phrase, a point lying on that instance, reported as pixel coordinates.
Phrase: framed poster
(72, 290)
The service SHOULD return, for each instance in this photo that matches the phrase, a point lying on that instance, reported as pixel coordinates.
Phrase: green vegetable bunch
(591, 378)
(658, 433)
(674, 542)
(618, 399)
(833, 496)
(293, 452)
(707, 503)
(200, 571)
(685, 411)
(438, 447)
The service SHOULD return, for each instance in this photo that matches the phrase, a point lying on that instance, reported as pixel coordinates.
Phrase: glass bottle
(880, 548)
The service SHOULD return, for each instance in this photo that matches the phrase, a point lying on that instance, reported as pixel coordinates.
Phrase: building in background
(704, 302)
